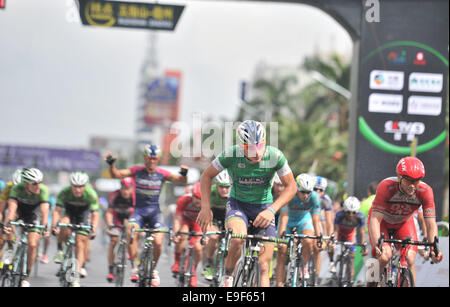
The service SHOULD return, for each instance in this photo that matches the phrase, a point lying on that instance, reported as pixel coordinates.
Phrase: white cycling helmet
(251, 132)
(305, 183)
(352, 204)
(223, 179)
(321, 183)
(17, 176)
(32, 175)
(276, 179)
(78, 178)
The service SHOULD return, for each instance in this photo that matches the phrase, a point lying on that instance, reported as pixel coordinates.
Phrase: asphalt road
(97, 268)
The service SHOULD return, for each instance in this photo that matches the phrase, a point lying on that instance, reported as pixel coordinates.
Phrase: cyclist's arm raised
(204, 219)
(182, 177)
(115, 173)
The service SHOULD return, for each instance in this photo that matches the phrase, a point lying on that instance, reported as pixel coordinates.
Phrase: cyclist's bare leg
(318, 259)
(265, 256)
(182, 241)
(81, 242)
(157, 246)
(307, 245)
(411, 260)
(33, 241)
(198, 255)
(238, 226)
(112, 244)
(64, 232)
(132, 247)
(280, 271)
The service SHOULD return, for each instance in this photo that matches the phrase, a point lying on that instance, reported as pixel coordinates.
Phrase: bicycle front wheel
(312, 271)
(404, 278)
(239, 277)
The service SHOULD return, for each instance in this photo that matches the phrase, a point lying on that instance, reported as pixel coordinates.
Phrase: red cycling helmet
(410, 167)
(126, 182)
(196, 190)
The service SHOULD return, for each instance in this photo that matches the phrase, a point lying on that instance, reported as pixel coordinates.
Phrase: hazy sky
(62, 82)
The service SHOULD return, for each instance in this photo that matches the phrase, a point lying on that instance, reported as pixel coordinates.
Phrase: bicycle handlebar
(404, 242)
(75, 226)
(25, 225)
(259, 238)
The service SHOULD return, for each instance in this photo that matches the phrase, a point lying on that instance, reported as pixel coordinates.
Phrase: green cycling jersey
(216, 200)
(89, 199)
(26, 200)
(252, 182)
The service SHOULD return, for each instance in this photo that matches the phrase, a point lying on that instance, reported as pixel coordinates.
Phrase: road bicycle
(296, 263)
(17, 270)
(221, 254)
(68, 270)
(396, 272)
(187, 260)
(344, 263)
(248, 271)
(120, 256)
(147, 263)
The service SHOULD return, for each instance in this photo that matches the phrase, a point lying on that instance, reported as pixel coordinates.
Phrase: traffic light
(2, 4)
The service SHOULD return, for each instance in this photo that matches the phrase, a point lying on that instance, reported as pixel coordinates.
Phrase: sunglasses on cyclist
(351, 212)
(318, 190)
(34, 183)
(254, 146)
(305, 192)
(411, 180)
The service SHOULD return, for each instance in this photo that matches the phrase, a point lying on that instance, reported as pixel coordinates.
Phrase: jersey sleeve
(338, 218)
(316, 208)
(45, 194)
(5, 192)
(224, 160)
(381, 197)
(181, 204)
(95, 206)
(61, 198)
(13, 193)
(427, 200)
(134, 169)
(361, 219)
(166, 174)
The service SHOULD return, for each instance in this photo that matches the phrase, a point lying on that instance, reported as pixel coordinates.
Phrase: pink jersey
(398, 207)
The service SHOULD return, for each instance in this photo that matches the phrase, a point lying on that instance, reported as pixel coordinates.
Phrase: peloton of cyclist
(251, 165)
(395, 202)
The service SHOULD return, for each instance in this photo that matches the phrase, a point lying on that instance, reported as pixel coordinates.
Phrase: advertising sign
(401, 95)
(154, 16)
(50, 158)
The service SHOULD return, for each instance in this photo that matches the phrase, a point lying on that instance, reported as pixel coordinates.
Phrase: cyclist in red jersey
(396, 200)
(188, 207)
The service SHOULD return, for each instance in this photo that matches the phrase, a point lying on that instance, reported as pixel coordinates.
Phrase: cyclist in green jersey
(77, 204)
(219, 197)
(28, 201)
(251, 166)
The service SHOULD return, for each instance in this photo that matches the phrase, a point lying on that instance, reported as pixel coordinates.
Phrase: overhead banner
(402, 94)
(153, 16)
(50, 158)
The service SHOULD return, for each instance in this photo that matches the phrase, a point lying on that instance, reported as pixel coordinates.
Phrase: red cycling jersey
(398, 207)
(189, 211)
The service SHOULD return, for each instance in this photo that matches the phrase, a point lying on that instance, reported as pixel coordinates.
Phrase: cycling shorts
(304, 223)
(402, 231)
(143, 217)
(239, 210)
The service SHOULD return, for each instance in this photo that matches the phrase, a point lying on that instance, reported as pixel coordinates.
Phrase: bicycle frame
(186, 269)
(147, 263)
(69, 263)
(222, 252)
(120, 256)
